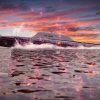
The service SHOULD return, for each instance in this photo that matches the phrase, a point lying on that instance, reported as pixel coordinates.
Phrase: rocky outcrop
(8, 41)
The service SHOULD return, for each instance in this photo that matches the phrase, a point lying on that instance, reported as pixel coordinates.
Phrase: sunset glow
(75, 19)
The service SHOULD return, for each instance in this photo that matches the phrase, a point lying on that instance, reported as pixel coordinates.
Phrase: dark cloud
(15, 4)
(48, 5)
(50, 9)
(82, 2)
(73, 29)
(98, 12)
(90, 35)
(88, 28)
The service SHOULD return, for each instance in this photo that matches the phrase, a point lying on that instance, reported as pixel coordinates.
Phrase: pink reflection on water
(11, 67)
(28, 82)
(81, 57)
(91, 64)
(78, 83)
(37, 73)
(92, 73)
(78, 86)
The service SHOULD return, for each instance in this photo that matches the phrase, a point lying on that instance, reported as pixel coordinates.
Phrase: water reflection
(52, 75)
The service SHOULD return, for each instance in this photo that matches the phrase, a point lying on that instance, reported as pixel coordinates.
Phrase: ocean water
(49, 74)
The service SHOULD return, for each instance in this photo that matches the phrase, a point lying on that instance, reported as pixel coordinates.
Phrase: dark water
(52, 75)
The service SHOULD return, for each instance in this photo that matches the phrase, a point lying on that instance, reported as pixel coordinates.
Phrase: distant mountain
(50, 36)
(53, 38)
(57, 39)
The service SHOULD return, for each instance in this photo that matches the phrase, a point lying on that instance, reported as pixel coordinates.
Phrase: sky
(77, 19)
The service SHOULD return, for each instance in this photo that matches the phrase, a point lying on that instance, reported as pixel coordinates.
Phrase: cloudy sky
(76, 19)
